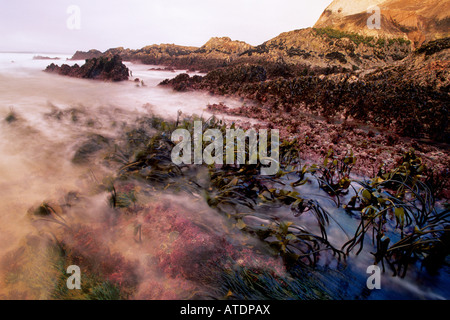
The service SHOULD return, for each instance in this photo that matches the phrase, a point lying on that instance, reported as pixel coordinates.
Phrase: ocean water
(36, 151)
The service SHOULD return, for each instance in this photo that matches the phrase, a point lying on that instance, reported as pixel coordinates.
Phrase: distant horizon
(37, 52)
(65, 27)
(150, 44)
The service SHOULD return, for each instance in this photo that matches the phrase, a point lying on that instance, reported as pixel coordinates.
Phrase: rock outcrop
(82, 55)
(45, 58)
(335, 70)
(329, 47)
(429, 65)
(103, 68)
(416, 20)
(408, 97)
(224, 45)
(325, 49)
(217, 52)
(339, 41)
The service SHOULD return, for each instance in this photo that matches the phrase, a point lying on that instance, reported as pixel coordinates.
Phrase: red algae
(371, 146)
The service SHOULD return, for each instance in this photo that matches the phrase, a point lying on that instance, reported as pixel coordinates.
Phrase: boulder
(103, 68)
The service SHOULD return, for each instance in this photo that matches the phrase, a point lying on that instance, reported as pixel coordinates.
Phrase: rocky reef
(393, 80)
(38, 57)
(340, 41)
(103, 68)
(83, 55)
(320, 49)
(326, 47)
(409, 97)
(427, 66)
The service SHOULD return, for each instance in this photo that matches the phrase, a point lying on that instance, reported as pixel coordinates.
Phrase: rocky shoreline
(378, 115)
(103, 68)
(410, 98)
(374, 149)
(326, 89)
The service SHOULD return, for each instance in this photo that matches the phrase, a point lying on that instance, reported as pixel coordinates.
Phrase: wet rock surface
(103, 68)
(411, 99)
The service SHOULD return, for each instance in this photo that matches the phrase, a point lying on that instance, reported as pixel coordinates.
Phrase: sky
(64, 26)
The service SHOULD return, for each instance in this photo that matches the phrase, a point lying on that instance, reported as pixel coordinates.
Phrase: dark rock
(103, 68)
(434, 46)
(45, 58)
(336, 56)
(82, 55)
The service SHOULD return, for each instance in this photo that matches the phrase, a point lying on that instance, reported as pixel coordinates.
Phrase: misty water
(37, 149)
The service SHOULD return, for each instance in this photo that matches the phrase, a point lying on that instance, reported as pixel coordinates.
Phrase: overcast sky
(42, 26)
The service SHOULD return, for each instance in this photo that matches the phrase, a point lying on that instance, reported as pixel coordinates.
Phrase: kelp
(233, 190)
(398, 200)
(396, 211)
(334, 174)
(399, 210)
